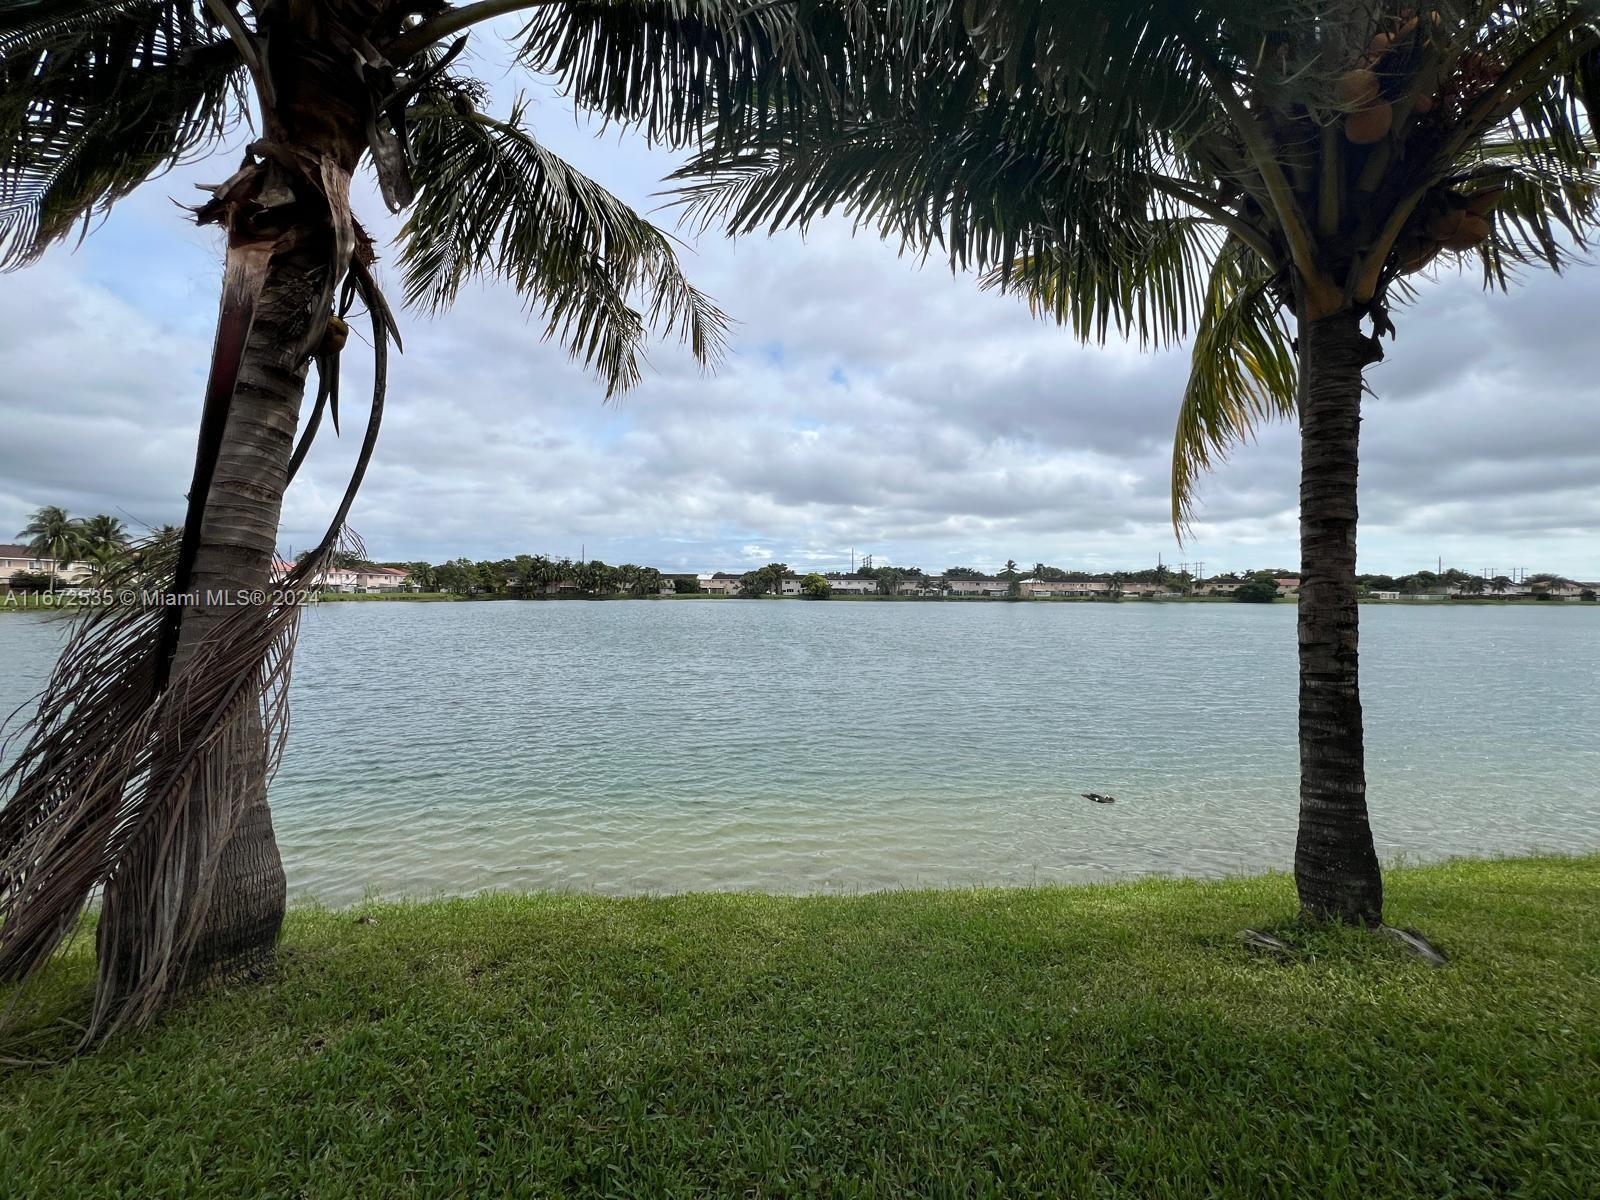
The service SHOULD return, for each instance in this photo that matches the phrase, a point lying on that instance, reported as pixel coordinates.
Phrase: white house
(852, 585)
(358, 579)
(1044, 589)
(718, 583)
(989, 588)
(15, 558)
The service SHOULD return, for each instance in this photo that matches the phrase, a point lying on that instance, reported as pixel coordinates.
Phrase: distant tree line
(532, 576)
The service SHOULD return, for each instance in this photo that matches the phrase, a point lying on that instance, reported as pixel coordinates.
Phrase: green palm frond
(95, 98)
(491, 201)
(1150, 283)
(683, 70)
(987, 188)
(1243, 373)
(1547, 216)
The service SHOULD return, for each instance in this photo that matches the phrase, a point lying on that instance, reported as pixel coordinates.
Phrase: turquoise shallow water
(629, 747)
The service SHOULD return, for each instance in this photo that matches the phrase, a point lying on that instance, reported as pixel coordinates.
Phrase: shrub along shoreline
(1053, 1041)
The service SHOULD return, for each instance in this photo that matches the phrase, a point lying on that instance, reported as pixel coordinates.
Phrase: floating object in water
(1098, 798)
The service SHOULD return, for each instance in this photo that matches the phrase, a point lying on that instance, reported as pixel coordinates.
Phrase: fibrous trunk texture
(1336, 866)
(243, 905)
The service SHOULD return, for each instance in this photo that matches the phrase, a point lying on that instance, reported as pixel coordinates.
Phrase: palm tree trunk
(1336, 867)
(237, 543)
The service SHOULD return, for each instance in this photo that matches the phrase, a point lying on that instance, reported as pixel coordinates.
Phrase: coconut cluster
(1397, 63)
(1453, 222)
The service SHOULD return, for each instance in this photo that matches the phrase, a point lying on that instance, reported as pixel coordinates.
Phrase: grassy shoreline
(1055, 1041)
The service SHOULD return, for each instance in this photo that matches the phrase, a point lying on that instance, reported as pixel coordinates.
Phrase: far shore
(41, 602)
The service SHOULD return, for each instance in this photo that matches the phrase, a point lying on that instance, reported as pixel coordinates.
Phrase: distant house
(15, 558)
(18, 558)
(1289, 585)
(1220, 587)
(990, 588)
(364, 579)
(852, 585)
(718, 583)
(1045, 589)
(1386, 595)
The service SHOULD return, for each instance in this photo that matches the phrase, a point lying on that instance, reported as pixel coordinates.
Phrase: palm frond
(989, 188)
(94, 99)
(681, 70)
(1548, 214)
(491, 201)
(1150, 283)
(1243, 372)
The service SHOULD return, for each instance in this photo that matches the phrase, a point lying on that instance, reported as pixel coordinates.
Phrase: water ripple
(627, 748)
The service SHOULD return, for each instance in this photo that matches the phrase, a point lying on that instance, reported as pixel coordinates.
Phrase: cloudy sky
(868, 403)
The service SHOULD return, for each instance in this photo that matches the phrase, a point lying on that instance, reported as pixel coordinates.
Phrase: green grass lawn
(1095, 1041)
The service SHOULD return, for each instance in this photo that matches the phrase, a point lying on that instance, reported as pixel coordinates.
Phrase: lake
(628, 747)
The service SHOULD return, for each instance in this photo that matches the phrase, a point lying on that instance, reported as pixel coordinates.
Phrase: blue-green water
(629, 747)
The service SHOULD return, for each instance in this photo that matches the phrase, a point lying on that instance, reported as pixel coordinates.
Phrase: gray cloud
(867, 402)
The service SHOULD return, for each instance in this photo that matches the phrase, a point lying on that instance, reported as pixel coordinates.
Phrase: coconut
(1424, 102)
(1485, 202)
(1370, 125)
(1447, 224)
(1417, 254)
(1472, 231)
(1358, 89)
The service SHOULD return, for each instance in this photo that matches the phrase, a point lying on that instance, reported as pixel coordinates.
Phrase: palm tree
(550, 573)
(104, 532)
(1219, 170)
(106, 563)
(162, 778)
(52, 535)
(423, 575)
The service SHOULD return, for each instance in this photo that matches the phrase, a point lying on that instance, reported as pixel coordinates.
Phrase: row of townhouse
(1288, 585)
(1565, 591)
(19, 558)
(726, 583)
(356, 579)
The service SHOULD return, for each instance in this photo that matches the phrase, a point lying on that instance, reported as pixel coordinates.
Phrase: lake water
(787, 746)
